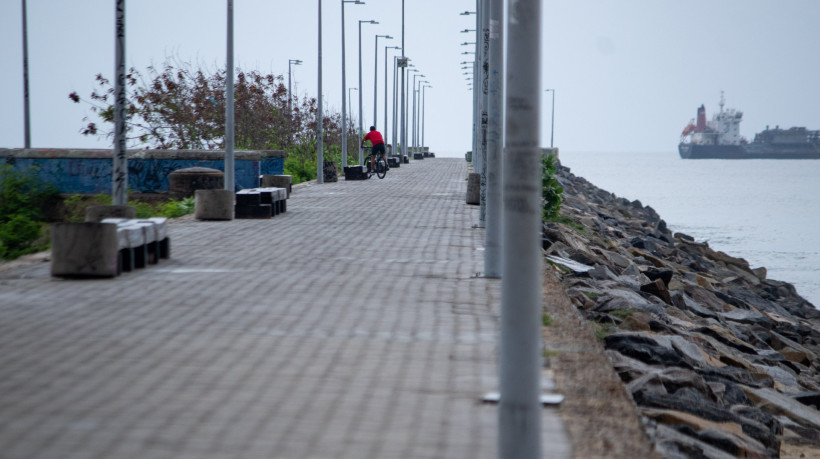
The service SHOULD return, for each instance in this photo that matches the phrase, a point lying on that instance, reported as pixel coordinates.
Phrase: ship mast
(722, 101)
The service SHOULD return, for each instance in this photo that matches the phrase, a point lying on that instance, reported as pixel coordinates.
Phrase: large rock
(777, 403)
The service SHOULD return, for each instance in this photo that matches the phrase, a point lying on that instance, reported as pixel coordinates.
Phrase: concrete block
(355, 173)
(84, 250)
(393, 161)
(418, 155)
(474, 189)
(214, 205)
(262, 211)
(330, 171)
(96, 214)
(405, 159)
(277, 181)
(184, 182)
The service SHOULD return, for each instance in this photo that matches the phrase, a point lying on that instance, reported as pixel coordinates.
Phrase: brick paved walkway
(271, 339)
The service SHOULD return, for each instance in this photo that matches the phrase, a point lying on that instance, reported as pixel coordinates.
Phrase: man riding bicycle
(375, 138)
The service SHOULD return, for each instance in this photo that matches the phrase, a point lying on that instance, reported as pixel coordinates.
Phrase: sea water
(766, 211)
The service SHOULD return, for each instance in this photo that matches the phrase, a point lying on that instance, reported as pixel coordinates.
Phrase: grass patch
(546, 319)
(603, 330)
(621, 313)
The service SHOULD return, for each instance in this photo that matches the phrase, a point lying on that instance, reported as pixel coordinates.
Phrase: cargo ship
(720, 139)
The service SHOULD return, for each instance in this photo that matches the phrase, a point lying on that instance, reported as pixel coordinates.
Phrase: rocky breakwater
(720, 360)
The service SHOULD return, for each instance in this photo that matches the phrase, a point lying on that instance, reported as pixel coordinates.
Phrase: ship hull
(748, 151)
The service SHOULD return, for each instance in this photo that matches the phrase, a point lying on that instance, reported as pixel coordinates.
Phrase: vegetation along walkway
(351, 326)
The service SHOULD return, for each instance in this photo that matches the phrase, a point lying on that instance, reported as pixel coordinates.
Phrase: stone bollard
(474, 189)
(96, 214)
(214, 205)
(183, 182)
(84, 249)
(277, 181)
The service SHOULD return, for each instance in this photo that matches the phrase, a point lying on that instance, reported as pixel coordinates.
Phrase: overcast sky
(628, 74)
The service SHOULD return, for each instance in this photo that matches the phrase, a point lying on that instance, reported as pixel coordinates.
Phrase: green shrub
(19, 236)
(23, 196)
(552, 193)
(23, 193)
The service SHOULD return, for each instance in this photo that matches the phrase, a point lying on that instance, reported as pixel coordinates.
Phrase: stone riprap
(720, 360)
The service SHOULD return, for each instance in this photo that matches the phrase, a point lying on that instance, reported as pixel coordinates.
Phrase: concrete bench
(107, 248)
(260, 202)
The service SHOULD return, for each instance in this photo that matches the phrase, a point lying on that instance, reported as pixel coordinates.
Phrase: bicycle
(380, 168)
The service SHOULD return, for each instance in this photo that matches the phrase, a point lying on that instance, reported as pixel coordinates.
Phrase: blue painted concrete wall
(89, 171)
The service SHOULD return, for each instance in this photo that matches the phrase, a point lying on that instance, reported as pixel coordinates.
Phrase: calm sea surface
(766, 211)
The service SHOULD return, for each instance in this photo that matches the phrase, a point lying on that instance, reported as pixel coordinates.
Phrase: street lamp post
(417, 121)
(552, 116)
(519, 411)
(361, 129)
(376, 73)
(119, 173)
(26, 112)
(344, 83)
(385, 90)
(291, 62)
(423, 111)
(413, 132)
(320, 163)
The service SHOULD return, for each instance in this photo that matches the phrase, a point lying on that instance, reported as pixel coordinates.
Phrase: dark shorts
(377, 149)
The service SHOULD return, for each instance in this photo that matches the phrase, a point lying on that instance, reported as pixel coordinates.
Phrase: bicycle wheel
(381, 167)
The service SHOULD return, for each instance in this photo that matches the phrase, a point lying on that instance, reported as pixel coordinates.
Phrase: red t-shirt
(375, 137)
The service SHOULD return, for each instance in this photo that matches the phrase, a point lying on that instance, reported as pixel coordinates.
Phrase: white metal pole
(395, 106)
(290, 96)
(358, 139)
(495, 141)
(119, 171)
(320, 154)
(520, 349)
(376, 74)
(484, 44)
(403, 75)
(386, 119)
(344, 90)
(229, 113)
(26, 111)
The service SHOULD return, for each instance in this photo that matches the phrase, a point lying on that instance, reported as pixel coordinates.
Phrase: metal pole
(350, 109)
(423, 112)
(484, 14)
(495, 141)
(120, 164)
(520, 349)
(290, 97)
(552, 119)
(403, 69)
(229, 121)
(320, 153)
(376, 74)
(395, 106)
(358, 139)
(26, 112)
(386, 119)
(344, 90)
(476, 160)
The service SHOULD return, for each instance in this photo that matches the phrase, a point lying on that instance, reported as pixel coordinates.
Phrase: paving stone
(271, 338)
